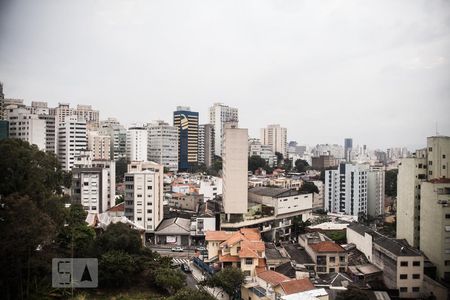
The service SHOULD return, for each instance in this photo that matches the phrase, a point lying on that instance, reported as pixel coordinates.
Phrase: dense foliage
(390, 186)
(229, 280)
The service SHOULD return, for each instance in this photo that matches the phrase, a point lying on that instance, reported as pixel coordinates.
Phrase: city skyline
(369, 82)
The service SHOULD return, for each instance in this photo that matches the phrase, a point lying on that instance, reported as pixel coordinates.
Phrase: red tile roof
(248, 253)
(272, 277)
(118, 207)
(229, 258)
(254, 245)
(297, 286)
(233, 239)
(326, 246)
(217, 235)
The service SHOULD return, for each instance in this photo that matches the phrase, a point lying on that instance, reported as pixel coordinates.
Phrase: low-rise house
(274, 258)
(328, 256)
(185, 201)
(174, 231)
(242, 249)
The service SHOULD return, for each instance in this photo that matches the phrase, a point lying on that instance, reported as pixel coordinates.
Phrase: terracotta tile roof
(272, 277)
(118, 207)
(260, 270)
(326, 246)
(254, 245)
(248, 253)
(217, 235)
(262, 262)
(297, 286)
(251, 233)
(233, 239)
(229, 258)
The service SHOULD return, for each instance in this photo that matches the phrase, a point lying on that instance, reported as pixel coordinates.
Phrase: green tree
(279, 158)
(338, 236)
(121, 169)
(352, 293)
(299, 226)
(119, 199)
(309, 187)
(216, 166)
(26, 230)
(255, 162)
(27, 171)
(301, 165)
(170, 279)
(121, 237)
(287, 165)
(229, 280)
(191, 294)
(390, 186)
(116, 269)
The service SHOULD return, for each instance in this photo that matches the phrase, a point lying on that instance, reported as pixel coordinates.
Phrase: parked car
(177, 249)
(185, 268)
(200, 249)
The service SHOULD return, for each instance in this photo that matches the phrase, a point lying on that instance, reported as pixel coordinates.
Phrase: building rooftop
(272, 277)
(298, 254)
(297, 286)
(326, 246)
(273, 192)
(286, 269)
(174, 226)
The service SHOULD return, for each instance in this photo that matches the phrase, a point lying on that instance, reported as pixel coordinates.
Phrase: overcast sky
(377, 71)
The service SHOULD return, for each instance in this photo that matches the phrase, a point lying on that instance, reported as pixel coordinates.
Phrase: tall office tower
(411, 172)
(206, 149)
(348, 146)
(219, 115)
(275, 136)
(186, 122)
(26, 126)
(346, 189)
(163, 144)
(99, 145)
(72, 140)
(137, 143)
(144, 194)
(90, 115)
(235, 174)
(375, 191)
(118, 134)
(94, 183)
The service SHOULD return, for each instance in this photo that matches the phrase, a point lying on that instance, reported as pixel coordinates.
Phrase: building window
(416, 289)
(443, 155)
(443, 167)
(342, 270)
(139, 219)
(403, 276)
(404, 263)
(416, 276)
(403, 290)
(332, 259)
(430, 149)
(447, 262)
(249, 261)
(332, 270)
(416, 263)
(342, 258)
(149, 187)
(149, 211)
(321, 269)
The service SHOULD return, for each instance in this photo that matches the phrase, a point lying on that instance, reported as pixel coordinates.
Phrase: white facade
(137, 143)
(72, 139)
(94, 185)
(346, 189)
(210, 188)
(206, 144)
(235, 174)
(144, 194)
(219, 115)
(275, 136)
(375, 191)
(264, 151)
(100, 145)
(118, 134)
(26, 126)
(163, 144)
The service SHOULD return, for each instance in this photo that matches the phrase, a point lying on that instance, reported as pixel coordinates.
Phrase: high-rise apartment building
(72, 140)
(219, 115)
(346, 189)
(26, 126)
(423, 202)
(235, 174)
(144, 194)
(118, 134)
(163, 144)
(264, 151)
(137, 143)
(375, 190)
(206, 150)
(348, 147)
(275, 136)
(186, 122)
(94, 184)
(99, 145)
(90, 115)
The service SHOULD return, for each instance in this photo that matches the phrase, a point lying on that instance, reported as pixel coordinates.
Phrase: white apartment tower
(144, 194)
(26, 126)
(235, 175)
(100, 145)
(118, 134)
(219, 115)
(206, 145)
(275, 136)
(94, 184)
(163, 144)
(346, 189)
(137, 143)
(375, 190)
(72, 140)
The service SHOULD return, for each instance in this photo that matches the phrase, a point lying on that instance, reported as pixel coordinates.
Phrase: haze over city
(376, 71)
